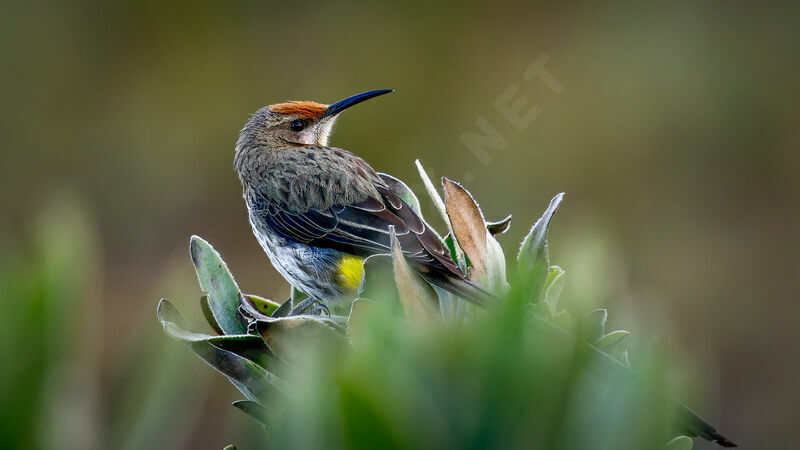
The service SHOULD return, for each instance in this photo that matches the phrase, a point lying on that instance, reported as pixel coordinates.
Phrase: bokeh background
(675, 137)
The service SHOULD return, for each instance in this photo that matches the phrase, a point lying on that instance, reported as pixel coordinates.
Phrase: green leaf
(625, 359)
(449, 243)
(263, 305)
(679, 443)
(251, 379)
(206, 308)
(357, 320)
(247, 346)
(378, 281)
(229, 447)
(608, 341)
(534, 246)
(496, 266)
(541, 310)
(553, 286)
(437, 200)
(499, 227)
(403, 191)
(563, 320)
(219, 352)
(284, 309)
(416, 296)
(298, 296)
(594, 324)
(252, 307)
(217, 281)
(533, 258)
(174, 324)
(286, 336)
(253, 409)
(432, 192)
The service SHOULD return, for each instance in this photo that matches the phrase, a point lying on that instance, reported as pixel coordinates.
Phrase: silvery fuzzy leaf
(486, 257)
(226, 353)
(499, 227)
(359, 316)
(611, 339)
(439, 203)
(679, 443)
(378, 281)
(415, 295)
(209, 315)
(297, 296)
(254, 410)
(286, 335)
(553, 287)
(593, 324)
(217, 281)
(263, 305)
(533, 260)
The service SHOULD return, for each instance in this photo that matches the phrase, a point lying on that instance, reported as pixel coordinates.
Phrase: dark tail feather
(692, 424)
(462, 287)
(687, 422)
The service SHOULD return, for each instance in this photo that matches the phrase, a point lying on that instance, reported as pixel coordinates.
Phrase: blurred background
(672, 129)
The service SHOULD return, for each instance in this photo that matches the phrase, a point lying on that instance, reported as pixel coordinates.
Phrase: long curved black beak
(341, 105)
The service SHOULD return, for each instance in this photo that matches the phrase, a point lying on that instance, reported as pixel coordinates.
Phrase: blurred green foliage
(48, 333)
(402, 371)
(62, 384)
(489, 385)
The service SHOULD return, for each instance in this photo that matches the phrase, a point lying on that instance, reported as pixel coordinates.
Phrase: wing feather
(361, 228)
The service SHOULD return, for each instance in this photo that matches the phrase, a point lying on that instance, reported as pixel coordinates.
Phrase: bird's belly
(315, 271)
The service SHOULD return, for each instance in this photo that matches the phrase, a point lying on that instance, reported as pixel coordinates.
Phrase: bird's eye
(297, 126)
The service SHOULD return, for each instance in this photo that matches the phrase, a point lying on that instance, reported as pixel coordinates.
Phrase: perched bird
(319, 211)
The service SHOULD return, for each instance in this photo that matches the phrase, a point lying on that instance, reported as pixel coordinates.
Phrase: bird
(319, 211)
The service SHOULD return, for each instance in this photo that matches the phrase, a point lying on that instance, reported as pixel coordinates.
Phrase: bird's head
(295, 123)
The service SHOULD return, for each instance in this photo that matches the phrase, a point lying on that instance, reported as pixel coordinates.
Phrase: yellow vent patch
(350, 271)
